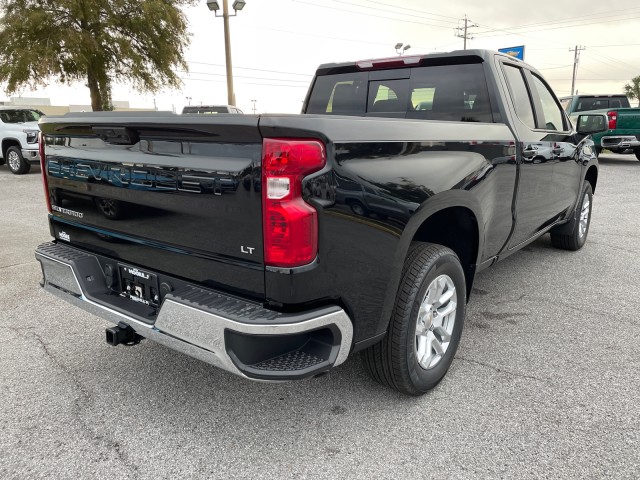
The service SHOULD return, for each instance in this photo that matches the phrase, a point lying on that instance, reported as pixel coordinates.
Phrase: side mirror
(592, 123)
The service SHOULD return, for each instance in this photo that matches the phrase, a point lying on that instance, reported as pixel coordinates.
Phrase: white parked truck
(19, 138)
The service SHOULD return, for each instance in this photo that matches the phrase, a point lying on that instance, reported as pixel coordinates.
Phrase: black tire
(637, 152)
(358, 208)
(577, 236)
(110, 208)
(16, 162)
(598, 151)
(394, 361)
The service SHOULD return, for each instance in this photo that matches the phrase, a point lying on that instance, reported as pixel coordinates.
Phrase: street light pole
(231, 97)
(214, 6)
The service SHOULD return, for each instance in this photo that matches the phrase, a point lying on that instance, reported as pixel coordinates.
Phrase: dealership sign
(515, 52)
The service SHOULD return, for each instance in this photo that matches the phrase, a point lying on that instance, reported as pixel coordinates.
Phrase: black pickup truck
(275, 246)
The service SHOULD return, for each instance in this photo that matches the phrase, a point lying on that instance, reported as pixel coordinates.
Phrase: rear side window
(553, 118)
(520, 95)
(444, 92)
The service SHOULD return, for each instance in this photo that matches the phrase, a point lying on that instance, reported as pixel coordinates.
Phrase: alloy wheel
(584, 216)
(436, 319)
(13, 160)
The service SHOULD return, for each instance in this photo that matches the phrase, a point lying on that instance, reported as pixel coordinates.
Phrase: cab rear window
(443, 92)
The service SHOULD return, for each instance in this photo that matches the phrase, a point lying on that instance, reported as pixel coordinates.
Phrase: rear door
(534, 203)
(566, 175)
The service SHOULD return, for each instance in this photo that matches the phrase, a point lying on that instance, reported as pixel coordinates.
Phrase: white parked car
(19, 138)
(210, 109)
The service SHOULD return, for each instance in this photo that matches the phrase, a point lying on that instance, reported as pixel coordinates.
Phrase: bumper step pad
(290, 361)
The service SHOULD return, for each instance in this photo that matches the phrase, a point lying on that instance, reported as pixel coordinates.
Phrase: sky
(277, 45)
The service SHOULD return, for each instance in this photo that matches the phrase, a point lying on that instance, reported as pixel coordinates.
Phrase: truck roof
(610, 95)
(407, 61)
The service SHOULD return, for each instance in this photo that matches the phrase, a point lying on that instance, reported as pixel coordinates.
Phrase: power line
(242, 76)
(250, 68)
(413, 10)
(308, 34)
(392, 11)
(210, 80)
(573, 19)
(553, 68)
(370, 14)
(617, 45)
(555, 27)
(620, 64)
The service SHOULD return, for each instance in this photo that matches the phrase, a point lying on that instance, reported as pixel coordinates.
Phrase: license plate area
(139, 285)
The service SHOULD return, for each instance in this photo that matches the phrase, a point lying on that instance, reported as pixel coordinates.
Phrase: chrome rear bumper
(622, 141)
(312, 342)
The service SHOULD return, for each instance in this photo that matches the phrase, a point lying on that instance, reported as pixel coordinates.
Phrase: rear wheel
(637, 152)
(577, 237)
(425, 325)
(16, 162)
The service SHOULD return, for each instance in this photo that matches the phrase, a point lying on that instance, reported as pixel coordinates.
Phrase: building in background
(44, 105)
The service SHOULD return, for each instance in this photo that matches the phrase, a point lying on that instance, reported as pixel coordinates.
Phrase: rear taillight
(290, 224)
(43, 169)
(613, 119)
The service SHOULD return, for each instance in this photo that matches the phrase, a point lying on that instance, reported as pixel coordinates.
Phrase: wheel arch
(7, 143)
(460, 213)
(455, 227)
(592, 177)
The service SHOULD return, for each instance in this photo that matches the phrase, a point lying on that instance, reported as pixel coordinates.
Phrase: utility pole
(462, 32)
(576, 59)
(254, 106)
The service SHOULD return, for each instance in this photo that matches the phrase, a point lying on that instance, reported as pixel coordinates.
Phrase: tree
(141, 41)
(633, 89)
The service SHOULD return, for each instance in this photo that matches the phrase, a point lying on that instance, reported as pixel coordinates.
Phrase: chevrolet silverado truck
(623, 123)
(235, 240)
(19, 138)
(623, 132)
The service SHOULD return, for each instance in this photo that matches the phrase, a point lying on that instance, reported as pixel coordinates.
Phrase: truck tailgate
(628, 119)
(181, 195)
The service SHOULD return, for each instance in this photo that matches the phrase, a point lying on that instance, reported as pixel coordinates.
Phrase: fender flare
(11, 140)
(435, 204)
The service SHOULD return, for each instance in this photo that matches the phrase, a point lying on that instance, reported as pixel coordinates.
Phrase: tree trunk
(99, 88)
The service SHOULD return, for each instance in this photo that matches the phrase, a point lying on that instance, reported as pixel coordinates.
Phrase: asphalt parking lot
(545, 383)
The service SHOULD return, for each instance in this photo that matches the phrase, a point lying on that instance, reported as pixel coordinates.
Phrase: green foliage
(633, 89)
(141, 41)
